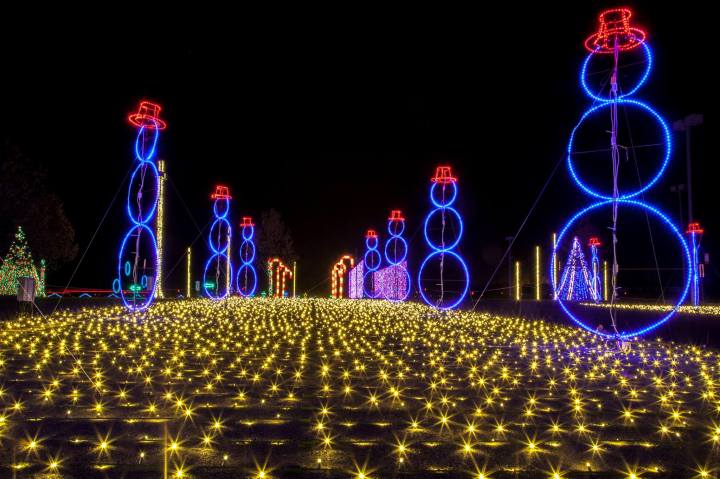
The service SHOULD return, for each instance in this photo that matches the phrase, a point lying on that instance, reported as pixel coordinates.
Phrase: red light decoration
(371, 234)
(278, 275)
(695, 228)
(443, 175)
(615, 29)
(594, 241)
(337, 275)
(221, 193)
(148, 116)
(246, 222)
(396, 215)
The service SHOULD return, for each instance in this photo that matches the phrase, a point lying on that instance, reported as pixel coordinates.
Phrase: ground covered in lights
(340, 388)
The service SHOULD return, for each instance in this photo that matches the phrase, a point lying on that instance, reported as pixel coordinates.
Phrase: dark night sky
(334, 122)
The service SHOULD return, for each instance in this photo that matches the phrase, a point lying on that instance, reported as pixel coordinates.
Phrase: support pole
(159, 228)
(537, 273)
(188, 278)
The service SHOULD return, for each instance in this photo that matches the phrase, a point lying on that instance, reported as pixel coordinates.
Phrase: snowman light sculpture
(615, 37)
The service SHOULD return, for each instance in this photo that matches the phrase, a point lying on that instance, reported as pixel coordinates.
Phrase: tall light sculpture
(615, 36)
(605, 280)
(188, 274)
(396, 251)
(443, 194)
(218, 267)
(594, 244)
(695, 232)
(246, 280)
(138, 266)
(160, 228)
(372, 261)
(537, 273)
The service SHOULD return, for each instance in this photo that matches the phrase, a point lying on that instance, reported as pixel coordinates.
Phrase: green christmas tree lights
(18, 263)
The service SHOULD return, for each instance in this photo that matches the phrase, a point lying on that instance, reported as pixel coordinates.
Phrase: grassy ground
(338, 388)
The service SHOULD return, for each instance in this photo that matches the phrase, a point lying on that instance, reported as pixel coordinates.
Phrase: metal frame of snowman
(133, 263)
(615, 36)
(219, 240)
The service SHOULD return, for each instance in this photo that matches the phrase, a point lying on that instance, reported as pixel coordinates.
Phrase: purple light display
(391, 282)
(355, 288)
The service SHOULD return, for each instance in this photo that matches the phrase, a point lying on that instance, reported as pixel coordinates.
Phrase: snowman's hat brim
(149, 122)
(598, 43)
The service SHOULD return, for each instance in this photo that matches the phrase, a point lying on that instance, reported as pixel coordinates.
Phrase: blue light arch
(670, 226)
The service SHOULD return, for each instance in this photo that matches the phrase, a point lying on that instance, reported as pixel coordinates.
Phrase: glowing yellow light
(188, 274)
(605, 280)
(159, 229)
(517, 281)
(537, 273)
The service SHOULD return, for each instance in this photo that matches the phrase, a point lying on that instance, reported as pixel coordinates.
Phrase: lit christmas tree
(575, 284)
(19, 263)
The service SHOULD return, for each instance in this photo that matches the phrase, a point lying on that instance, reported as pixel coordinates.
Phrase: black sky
(336, 118)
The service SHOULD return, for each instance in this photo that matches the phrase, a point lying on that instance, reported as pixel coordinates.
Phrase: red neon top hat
(221, 193)
(695, 228)
(246, 221)
(443, 175)
(371, 234)
(615, 27)
(594, 241)
(148, 116)
(396, 215)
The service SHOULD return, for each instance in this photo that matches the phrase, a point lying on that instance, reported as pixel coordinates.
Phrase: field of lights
(349, 389)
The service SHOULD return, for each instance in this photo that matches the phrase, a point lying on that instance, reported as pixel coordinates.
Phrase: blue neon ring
(671, 226)
(661, 170)
(238, 288)
(405, 250)
(409, 285)
(459, 235)
(116, 285)
(448, 202)
(140, 135)
(227, 207)
(153, 208)
(367, 242)
(371, 296)
(641, 82)
(245, 236)
(211, 237)
(398, 233)
(151, 295)
(219, 257)
(249, 246)
(376, 265)
(467, 280)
